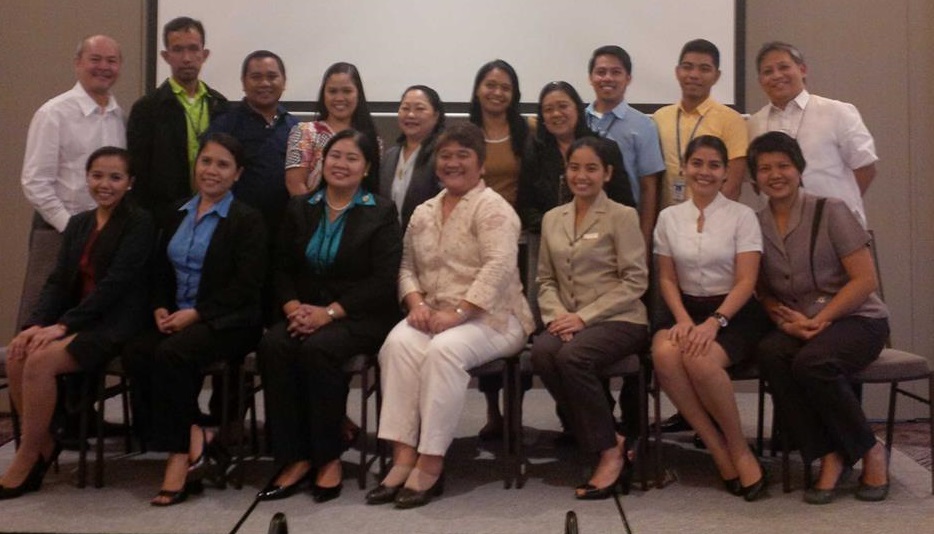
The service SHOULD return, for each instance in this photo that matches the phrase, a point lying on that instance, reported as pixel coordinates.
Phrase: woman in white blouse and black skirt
(708, 252)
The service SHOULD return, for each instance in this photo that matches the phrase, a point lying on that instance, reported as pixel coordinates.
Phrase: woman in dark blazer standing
(337, 260)
(93, 301)
(208, 272)
(407, 175)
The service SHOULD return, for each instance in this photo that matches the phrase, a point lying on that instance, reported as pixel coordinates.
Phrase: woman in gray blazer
(407, 175)
(591, 274)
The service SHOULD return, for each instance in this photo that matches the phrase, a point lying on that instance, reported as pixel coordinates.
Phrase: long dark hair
(518, 127)
(370, 150)
(436, 105)
(361, 119)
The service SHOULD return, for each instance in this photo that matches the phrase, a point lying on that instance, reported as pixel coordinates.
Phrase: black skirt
(740, 337)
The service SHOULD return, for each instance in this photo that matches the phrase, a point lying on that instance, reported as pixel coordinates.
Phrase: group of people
(227, 227)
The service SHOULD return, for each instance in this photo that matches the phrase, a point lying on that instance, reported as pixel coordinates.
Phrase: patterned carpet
(911, 438)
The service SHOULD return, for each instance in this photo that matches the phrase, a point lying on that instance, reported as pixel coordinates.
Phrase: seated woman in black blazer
(337, 260)
(209, 268)
(93, 301)
(407, 175)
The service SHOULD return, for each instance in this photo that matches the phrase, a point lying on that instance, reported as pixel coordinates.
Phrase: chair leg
(786, 464)
(127, 422)
(643, 429)
(507, 430)
(238, 466)
(225, 418)
(99, 445)
(380, 445)
(890, 418)
(760, 422)
(518, 431)
(361, 436)
(657, 438)
(84, 405)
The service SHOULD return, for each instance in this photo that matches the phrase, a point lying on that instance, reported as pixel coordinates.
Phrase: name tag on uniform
(591, 235)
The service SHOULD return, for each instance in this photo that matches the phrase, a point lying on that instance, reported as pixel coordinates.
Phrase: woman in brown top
(818, 284)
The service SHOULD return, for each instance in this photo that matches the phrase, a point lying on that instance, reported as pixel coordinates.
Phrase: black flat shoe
(382, 494)
(757, 490)
(274, 492)
(322, 494)
(870, 493)
(409, 498)
(733, 486)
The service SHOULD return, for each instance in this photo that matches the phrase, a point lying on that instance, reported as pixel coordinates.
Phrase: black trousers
(569, 371)
(810, 385)
(166, 373)
(306, 390)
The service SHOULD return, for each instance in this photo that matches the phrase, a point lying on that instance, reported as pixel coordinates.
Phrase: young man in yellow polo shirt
(697, 71)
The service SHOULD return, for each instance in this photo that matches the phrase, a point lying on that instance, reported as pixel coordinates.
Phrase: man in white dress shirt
(62, 134)
(837, 146)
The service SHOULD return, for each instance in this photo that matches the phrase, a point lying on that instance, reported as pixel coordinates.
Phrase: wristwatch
(331, 313)
(721, 319)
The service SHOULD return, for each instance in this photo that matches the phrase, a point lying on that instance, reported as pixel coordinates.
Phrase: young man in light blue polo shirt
(610, 116)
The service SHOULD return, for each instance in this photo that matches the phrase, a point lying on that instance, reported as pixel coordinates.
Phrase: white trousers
(424, 379)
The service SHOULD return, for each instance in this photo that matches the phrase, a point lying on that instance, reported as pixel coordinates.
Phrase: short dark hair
(261, 54)
(465, 134)
(707, 141)
(367, 146)
(230, 143)
(106, 151)
(518, 127)
(774, 142)
(361, 119)
(434, 100)
(580, 129)
(701, 46)
(180, 24)
(611, 50)
(781, 46)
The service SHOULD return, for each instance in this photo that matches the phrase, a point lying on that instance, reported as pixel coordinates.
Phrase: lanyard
(592, 120)
(678, 134)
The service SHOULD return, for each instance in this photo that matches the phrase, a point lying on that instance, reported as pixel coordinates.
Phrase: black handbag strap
(815, 225)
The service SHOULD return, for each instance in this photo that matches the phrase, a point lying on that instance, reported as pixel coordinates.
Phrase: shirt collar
(221, 208)
(619, 110)
(701, 109)
(801, 101)
(718, 202)
(281, 112)
(361, 198)
(180, 91)
(89, 105)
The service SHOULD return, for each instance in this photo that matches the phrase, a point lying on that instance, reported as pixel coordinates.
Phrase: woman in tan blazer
(591, 274)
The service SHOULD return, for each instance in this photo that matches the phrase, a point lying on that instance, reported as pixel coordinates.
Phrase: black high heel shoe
(274, 492)
(32, 482)
(757, 490)
(623, 481)
(409, 498)
(733, 486)
(180, 496)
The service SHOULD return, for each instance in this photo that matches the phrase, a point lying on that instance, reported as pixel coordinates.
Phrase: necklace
(501, 140)
(335, 208)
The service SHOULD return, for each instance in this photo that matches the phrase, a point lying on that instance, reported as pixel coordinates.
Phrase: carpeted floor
(912, 438)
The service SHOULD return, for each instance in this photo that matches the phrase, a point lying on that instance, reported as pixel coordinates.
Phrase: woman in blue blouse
(337, 261)
(206, 305)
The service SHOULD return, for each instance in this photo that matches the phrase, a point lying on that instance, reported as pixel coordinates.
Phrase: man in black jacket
(166, 125)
